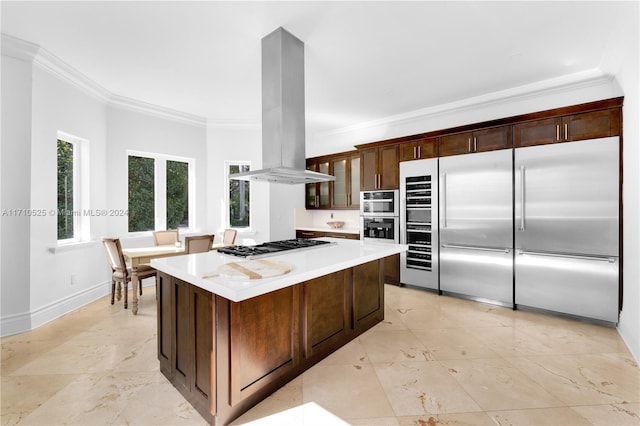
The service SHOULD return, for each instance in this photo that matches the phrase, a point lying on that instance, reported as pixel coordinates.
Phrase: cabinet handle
(419, 152)
(522, 197)
(317, 201)
(566, 131)
(415, 153)
(469, 144)
(475, 144)
(557, 132)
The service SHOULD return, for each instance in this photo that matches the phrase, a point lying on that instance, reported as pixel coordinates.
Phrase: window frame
(81, 194)
(160, 189)
(227, 193)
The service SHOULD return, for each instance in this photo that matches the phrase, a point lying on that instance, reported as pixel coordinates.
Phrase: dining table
(142, 255)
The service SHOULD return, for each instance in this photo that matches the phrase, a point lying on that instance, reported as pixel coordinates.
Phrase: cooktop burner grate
(272, 247)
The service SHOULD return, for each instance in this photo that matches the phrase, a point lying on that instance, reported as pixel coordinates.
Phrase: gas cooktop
(273, 247)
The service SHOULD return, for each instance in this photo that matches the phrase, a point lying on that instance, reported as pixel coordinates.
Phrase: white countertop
(307, 264)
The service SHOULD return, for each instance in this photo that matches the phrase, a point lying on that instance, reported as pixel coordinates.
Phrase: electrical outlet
(74, 279)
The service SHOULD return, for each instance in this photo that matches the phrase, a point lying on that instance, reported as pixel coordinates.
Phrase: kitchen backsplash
(317, 219)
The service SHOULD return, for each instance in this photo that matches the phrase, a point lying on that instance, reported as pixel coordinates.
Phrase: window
(67, 160)
(73, 189)
(161, 191)
(238, 196)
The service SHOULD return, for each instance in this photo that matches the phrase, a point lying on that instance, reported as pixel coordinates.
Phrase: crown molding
(48, 62)
(231, 124)
(156, 110)
(566, 83)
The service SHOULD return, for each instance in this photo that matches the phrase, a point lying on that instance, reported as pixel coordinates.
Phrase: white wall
(57, 106)
(15, 193)
(140, 131)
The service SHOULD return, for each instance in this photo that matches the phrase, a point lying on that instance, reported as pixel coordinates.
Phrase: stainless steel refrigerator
(476, 225)
(566, 227)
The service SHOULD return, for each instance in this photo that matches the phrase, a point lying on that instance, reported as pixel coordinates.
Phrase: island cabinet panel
(368, 295)
(326, 312)
(263, 343)
(185, 341)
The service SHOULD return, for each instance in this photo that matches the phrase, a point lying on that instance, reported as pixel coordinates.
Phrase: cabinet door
(326, 312)
(427, 148)
(340, 193)
(311, 189)
(368, 169)
(354, 178)
(392, 269)
(323, 187)
(368, 295)
(538, 132)
(408, 151)
(458, 143)
(389, 176)
(492, 139)
(591, 125)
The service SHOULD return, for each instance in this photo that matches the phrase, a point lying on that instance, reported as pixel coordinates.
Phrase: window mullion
(160, 184)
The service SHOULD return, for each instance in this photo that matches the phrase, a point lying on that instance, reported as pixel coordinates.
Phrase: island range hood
(283, 117)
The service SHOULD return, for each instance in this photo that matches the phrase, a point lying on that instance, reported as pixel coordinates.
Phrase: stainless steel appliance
(273, 247)
(379, 203)
(379, 216)
(476, 225)
(419, 223)
(567, 235)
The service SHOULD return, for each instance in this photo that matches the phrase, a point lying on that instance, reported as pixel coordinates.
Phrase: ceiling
(363, 60)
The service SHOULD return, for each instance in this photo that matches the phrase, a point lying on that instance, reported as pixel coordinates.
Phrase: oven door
(379, 203)
(380, 229)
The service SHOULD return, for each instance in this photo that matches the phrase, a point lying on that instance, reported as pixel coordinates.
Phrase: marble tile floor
(434, 360)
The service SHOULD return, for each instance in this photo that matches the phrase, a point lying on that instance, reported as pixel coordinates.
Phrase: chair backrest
(114, 254)
(198, 243)
(229, 236)
(164, 238)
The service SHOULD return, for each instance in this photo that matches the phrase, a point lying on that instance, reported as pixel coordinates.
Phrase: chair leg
(140, 286)
(126, 295)
(119, 291)
(113, 290)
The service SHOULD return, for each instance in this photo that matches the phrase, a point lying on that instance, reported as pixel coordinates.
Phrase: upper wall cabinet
(587, 125)
(379, 168)
(481, 140)
(345, 190)
(317, 194)
(419, 149)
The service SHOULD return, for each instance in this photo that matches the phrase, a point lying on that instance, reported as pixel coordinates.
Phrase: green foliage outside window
(238, 198)
(177, 194)
(65, 190)
(141, 194)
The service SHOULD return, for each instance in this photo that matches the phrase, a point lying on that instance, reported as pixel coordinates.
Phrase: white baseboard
(19, 323)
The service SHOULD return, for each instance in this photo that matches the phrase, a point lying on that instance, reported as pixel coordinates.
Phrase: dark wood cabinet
(481, 140)
(345, 190)
(224, 357)
(392, 269)
(317, 194)
(418, 149)
(379, 168)
(574, 127)
(185, 340)
(368, 294)
(303, 233)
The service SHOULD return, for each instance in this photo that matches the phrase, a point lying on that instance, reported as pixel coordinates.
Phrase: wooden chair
(198, 243)
(120, 273)
(229, 236)
(165, 238)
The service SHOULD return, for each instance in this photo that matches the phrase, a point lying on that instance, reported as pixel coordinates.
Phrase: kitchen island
(227, 343)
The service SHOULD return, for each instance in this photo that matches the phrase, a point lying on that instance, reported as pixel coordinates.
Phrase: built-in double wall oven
(379, 219)
(419, 223)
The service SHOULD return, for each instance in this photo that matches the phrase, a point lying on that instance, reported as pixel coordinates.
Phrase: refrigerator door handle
(443, 198)
(522, 197)
(568, 256)
(455, 246)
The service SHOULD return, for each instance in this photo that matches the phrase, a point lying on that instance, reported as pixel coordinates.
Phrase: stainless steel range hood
(283, 129)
